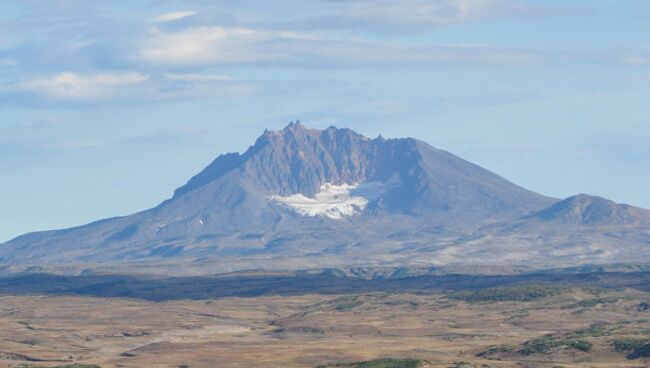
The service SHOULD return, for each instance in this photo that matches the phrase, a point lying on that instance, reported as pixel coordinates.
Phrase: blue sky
(106, 107)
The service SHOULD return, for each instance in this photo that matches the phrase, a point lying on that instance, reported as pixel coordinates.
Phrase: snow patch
(334, 201)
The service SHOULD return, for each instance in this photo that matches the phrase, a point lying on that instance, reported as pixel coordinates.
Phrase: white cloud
(167, 17)
(69, 85)
(415, 15)
(410, 12)
(195, 77)
(126, 87)
(200, 45)
(203, 46)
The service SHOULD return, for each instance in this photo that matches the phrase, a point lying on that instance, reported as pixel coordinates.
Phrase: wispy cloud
(165, 54)
(71, 85)
(412, 15)
(205, 46)
(167, 17)
(195, 77)
(200, 46)
(122, 87)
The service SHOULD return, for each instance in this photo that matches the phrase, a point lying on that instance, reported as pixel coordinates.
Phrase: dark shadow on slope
(161, 289)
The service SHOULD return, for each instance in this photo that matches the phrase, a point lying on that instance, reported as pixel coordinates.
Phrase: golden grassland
(321, 330)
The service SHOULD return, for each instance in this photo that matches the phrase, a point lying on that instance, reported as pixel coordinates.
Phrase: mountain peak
(585, 209)
(294, 125)
(299, 160)
(294, 131)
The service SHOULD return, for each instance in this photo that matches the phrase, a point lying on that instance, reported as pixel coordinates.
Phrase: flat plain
(515, 326)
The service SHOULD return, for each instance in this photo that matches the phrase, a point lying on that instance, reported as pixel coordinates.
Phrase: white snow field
(334, 201)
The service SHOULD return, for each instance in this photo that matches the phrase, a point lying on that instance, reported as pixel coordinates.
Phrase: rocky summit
(305, 198)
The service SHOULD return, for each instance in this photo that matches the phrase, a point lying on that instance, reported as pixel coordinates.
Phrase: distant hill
(306, 198)
(584, 209)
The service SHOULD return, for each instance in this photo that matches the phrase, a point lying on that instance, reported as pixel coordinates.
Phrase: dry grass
(311, 330)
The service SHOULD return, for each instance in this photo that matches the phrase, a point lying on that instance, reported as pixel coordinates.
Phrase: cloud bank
(163, 52)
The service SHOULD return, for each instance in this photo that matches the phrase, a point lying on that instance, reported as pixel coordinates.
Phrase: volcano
(306, 198)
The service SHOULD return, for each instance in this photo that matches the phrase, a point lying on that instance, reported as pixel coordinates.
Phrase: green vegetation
(590, 303)
(595, 330)
(519, 293)
(75, 365)
(462, 365)
(410, 303)
(347, 302)
(638, 347)
(544, 344)
(627, 344)
(642, 351)
(495, 350)
(541, 345)
(380, 363)
(582, 345)
(391, 363)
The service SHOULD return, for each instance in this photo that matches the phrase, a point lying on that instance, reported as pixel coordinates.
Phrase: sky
(107, 107)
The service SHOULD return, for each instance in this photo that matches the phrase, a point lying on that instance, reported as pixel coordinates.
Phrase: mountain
(306, 198)
(577, 230)
(584, 209)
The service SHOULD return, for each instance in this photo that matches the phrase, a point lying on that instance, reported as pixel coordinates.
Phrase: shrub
(391, 363)
(642, 351)
(494, 350)
(581, 345)
(541, 345)
(627, 344)
(380, 363)
(590, 303)
(75, 365)
(544, 344)
(520, 293)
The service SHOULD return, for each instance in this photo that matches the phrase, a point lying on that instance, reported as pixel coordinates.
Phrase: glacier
(333, 201)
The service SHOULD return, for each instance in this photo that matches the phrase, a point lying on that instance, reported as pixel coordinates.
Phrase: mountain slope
(577, 230)
(301, 198)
